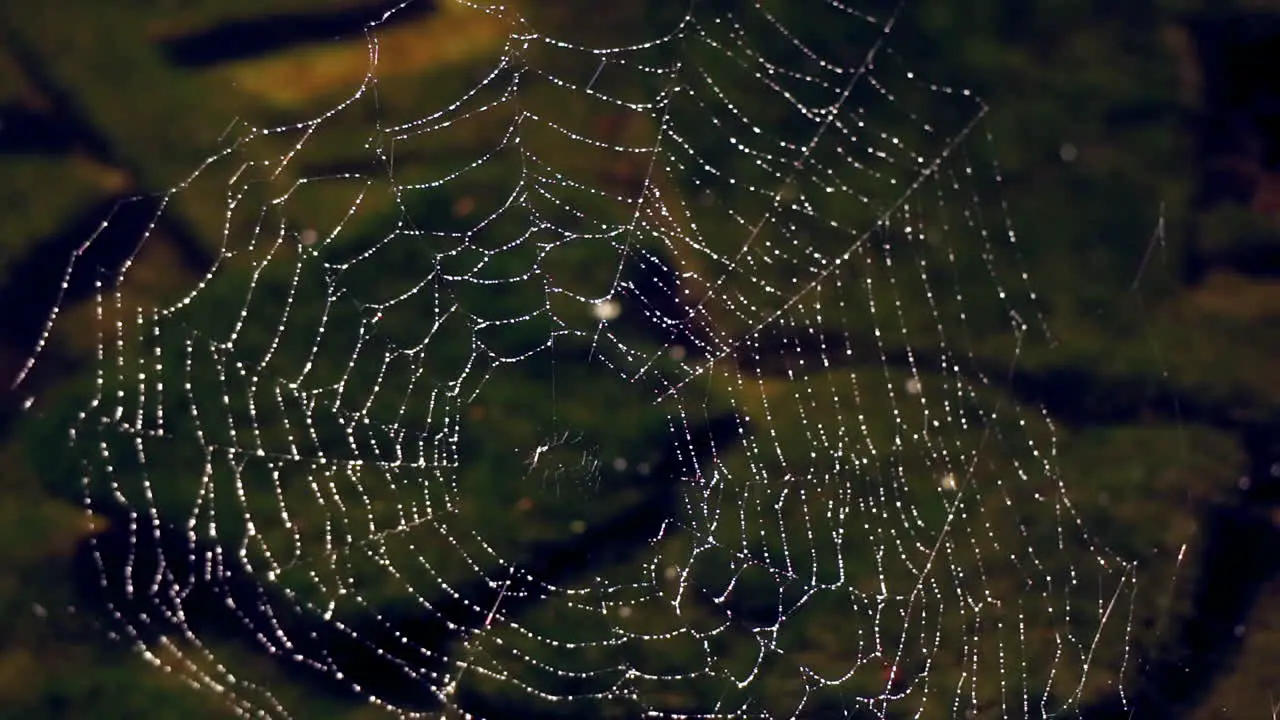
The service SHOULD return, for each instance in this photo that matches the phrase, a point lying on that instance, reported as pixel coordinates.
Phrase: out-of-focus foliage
(1095, 120)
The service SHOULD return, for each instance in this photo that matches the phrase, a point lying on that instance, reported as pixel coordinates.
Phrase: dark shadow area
(24, 131)
(1238, 133)
(37, 285)
(1241, 123)
(395, 653)
(240, 39)
(650, 291)
(1256, 260)
(66, 268)
(62, 123)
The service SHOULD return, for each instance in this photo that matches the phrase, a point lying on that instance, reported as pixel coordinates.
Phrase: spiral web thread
(652, 379)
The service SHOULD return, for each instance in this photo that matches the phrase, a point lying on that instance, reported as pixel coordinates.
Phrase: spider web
(661, 378)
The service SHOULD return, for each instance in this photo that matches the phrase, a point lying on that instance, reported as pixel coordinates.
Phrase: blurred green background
(1140, 150)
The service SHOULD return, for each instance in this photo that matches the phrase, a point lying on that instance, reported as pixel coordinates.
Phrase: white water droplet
(607, 310)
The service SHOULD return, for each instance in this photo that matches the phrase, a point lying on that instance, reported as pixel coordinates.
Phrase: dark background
(1140, 144)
